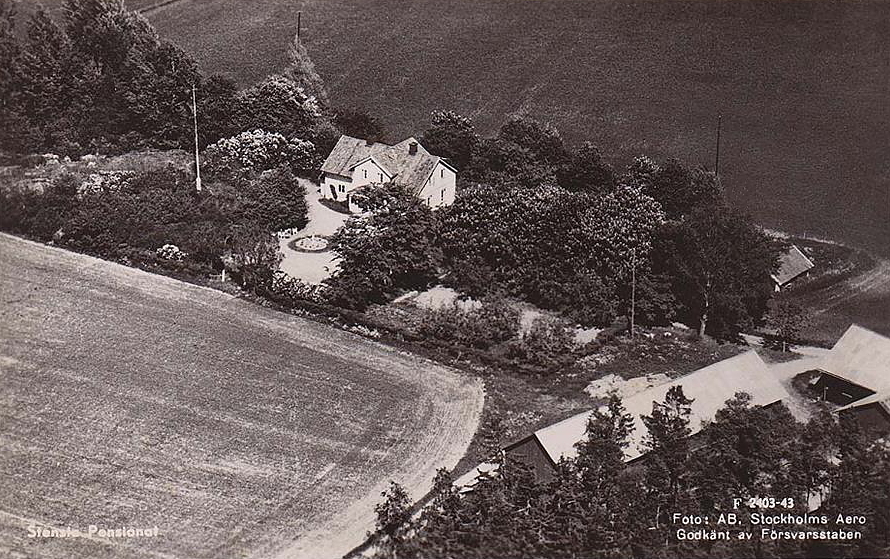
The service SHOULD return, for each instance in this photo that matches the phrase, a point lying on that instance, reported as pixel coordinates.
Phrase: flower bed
(312, 243)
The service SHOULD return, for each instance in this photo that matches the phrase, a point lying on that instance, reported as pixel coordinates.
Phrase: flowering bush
(170, 252)
(104, 181)
(259, 151)
(294, 289)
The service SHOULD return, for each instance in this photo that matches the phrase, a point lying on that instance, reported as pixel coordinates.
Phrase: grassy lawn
(847, 286)
(131, 399)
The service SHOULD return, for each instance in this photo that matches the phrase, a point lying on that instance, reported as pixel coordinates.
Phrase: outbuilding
(793, 264)
(857, 367)
(709, 388)
(872, 414)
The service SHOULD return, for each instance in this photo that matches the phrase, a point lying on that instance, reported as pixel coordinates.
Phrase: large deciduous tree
(530, 243)
(390, 247)
(680, 190)
(359, 124)
(719, 263)
(452, 136)
(278, 104)
(585, 171)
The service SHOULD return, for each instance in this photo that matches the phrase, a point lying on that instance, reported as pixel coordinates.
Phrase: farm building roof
(861, 357)
(709, 388)
(880, 398)
(792, 263)
(406, 168)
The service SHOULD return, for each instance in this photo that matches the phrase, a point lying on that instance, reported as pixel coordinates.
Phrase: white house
(354, 163)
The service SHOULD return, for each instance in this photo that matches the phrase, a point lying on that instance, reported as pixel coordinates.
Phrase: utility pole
(197, 160)
(633, 289)
(717, 157)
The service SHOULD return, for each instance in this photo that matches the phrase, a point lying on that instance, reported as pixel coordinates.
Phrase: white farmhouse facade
(354, 163)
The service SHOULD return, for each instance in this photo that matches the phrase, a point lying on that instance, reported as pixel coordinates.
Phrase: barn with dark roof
(792, 264)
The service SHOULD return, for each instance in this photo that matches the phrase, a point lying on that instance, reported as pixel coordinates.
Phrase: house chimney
(369, 142)
(412, 148)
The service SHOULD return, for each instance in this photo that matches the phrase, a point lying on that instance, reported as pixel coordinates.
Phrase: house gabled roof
(347, 152)
(709, 388)
(882, 399)
(377, 161)
(861, 357)
(792, 263)
(406, 168)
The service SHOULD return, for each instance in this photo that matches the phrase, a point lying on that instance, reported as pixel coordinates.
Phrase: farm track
(873, 283)
(130, 399)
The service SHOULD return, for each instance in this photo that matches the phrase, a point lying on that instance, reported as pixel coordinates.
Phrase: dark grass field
(803, 86)
(128, 399)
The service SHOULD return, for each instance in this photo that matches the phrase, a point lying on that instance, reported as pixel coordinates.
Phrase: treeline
(599, 506)
(559, 228)
(98, 79)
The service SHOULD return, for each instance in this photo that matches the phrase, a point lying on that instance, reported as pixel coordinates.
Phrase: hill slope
(134, 400)
(802, 86)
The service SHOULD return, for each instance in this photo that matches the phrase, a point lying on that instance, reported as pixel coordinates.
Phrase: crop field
(134, 400)
(802, 86)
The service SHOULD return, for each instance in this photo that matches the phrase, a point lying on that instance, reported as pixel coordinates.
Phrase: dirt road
(133, 400)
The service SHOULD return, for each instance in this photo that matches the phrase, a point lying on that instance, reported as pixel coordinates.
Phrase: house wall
(530, 451)
(440, 188)
(369, 172)
(872, 418)
(335, 187)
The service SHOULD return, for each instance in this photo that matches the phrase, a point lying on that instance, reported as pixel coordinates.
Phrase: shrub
(275, 198)
(170, 252)
(39, 214)
(289, 290)
(253, 256)
(104, 181)
(493, 322)
(259, 151)
(547, 346)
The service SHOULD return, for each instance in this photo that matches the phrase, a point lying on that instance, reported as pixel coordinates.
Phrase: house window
(441, 173)
(365, 171)
(429, 200)
(342, 188)
(381, 177)
(443, 194)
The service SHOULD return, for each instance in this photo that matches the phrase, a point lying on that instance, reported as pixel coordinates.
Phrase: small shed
(792, 264)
